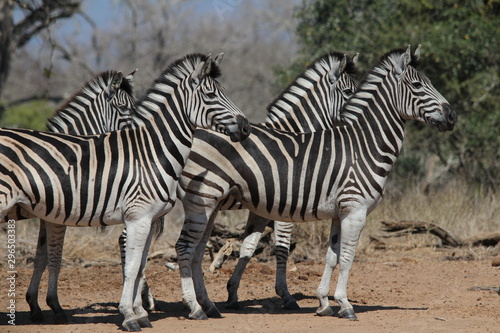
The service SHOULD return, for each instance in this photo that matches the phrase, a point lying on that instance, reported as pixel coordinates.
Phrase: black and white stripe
(338, 173)
(312, 102)
(126, 176)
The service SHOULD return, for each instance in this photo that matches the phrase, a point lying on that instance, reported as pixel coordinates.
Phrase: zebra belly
(57, 216)
(323, 211)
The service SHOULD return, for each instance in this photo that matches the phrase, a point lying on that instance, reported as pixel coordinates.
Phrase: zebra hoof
(233, 305)
(291, 305)
(60, 318)
(131, 326)
(198, 315)
(213, 312)
(144, 322)
(324, 312)
(37, 316)
(348, 314)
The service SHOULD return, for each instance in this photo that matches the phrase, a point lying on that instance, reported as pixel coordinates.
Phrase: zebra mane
(321, 65)
(93, 87)
(386, 63)
(182, 68)
(415, 61)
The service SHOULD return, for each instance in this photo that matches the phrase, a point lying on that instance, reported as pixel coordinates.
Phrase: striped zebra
(128, 176)
(103, 104)
(312, 102)
(338, 173)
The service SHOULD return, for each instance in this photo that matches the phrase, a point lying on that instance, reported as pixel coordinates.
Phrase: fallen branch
(484, 239)
(403, 228)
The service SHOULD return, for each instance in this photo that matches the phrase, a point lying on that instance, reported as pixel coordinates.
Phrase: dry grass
(458, 208)
(462, 210)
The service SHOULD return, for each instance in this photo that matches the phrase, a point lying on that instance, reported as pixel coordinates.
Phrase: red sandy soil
(421, 290)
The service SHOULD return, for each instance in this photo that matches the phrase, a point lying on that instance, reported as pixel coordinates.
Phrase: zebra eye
(417, 85)
(348, 92)
(211, 95)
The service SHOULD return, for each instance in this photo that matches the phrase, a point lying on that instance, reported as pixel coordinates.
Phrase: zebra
(339, 173)
(103, 104)
(310, 103)
(128, 176)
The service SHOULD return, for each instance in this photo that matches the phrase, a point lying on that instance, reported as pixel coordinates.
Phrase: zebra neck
(301, 107)
(374, 118)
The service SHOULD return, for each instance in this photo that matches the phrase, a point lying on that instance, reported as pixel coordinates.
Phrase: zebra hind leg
(199, 283)
(253, 232)
(40, 264)
(55, 242)
(283, 236)
(332, 257)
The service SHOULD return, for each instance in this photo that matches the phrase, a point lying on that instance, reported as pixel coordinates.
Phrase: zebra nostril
(451, 115)
(244, 126)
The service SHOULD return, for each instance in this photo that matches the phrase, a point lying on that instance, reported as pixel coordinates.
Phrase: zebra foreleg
(199, 284)
(148, 301)
(39, 266)
(332, 257)
(138, 241)
(55, 242)
(254, 229)
(351, 227)
(283, 236)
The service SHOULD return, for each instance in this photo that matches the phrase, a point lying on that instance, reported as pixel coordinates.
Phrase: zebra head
(103, 104)
(210, 107)
(419, 99)
(119, 101)
(342, 84)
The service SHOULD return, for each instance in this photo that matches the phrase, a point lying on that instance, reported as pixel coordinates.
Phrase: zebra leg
(191, 234)
(332, 257)
(138, 240)
(138, 301)
(351, 227)
(254, 229)
(199, 283)
(148, 301)
(55, 242)
(54, 247)
(283, 236)
(39, 266)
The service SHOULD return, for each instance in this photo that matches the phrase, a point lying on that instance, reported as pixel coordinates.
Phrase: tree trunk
(6, 28)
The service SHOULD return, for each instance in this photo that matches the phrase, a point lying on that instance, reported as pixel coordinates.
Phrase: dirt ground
(419, 290)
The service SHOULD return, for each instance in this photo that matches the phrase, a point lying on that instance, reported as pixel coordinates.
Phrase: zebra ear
(219, 58)
(403, 61)
(113, 85)
(337, 70)
(354, 59)
(130, 77)
(202, 70)
(416, 54)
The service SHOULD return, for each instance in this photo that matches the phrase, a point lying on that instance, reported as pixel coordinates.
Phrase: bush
(31, 115)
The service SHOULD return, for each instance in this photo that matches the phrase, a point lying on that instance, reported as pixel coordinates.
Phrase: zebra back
(313, 100)
(289, 176)
(103, 104)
